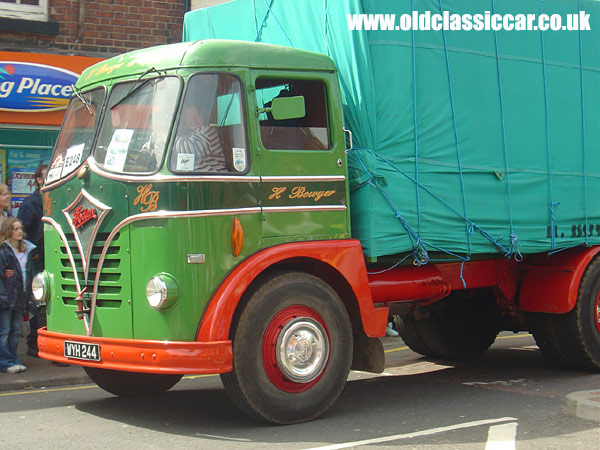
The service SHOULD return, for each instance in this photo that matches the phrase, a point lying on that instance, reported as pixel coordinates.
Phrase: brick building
(91, 28)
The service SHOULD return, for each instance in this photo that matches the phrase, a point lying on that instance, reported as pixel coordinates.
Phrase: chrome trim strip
(85, 258)
(282, 209)
(154, 215)
(301, 178)
(157, 177)
(58, 228)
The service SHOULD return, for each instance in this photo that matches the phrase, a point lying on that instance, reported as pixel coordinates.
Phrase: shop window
(308, 132)
(24, 9)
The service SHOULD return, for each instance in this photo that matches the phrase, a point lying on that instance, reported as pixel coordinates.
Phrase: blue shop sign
(31, 87)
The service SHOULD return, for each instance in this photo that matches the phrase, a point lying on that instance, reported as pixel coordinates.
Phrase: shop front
(34, 93)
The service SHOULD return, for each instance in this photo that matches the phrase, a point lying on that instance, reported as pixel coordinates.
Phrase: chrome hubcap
(302, 350)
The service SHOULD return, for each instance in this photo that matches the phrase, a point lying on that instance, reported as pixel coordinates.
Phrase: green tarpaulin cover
(465, 141)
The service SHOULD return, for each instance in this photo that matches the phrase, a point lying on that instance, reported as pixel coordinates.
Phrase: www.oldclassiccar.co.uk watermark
(486, 21)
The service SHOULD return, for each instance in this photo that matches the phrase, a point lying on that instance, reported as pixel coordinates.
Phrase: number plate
(80, 350)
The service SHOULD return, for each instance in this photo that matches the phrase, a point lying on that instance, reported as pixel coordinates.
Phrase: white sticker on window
(185, 162)
(239, 159)
(72, 159)
(116, 154)
(55, 169)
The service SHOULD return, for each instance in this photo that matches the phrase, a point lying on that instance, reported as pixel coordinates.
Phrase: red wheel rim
(270, 347)
(597, 312)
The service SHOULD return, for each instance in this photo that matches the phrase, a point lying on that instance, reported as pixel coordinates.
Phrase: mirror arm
(262, 110)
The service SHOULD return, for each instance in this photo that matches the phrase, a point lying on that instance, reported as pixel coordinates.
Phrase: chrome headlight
(162, 291)
(40, 286)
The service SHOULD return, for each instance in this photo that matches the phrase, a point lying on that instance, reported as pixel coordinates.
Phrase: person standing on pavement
(16, 269)
(30, 214)
(4, 202)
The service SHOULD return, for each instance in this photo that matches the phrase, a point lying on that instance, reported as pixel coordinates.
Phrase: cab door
(302, 158)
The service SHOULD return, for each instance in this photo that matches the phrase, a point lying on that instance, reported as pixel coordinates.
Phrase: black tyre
(131, 384)
(548, 338)
(579, 329)
(462, 326)
(408, 327)
(292, 350)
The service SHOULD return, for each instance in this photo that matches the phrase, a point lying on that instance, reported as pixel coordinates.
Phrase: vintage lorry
(206, 212)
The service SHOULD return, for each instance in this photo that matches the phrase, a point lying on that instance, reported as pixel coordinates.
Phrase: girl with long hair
(15, 290)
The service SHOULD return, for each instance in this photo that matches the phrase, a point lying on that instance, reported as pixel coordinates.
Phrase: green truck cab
(152, 241)
(197, 221)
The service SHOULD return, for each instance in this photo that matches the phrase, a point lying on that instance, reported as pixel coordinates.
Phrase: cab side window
(210, 137)
(309, 132)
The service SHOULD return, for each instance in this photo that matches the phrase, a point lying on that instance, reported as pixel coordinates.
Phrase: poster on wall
(21, 166)
(22, 181)
(15, 204)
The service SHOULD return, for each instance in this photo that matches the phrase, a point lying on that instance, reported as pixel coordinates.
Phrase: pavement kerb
(41, 373)
(19, 384)
(584, 404)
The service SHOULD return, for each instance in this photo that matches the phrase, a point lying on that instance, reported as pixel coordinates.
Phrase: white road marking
(224, 438)
(396, 437)
(502, 437)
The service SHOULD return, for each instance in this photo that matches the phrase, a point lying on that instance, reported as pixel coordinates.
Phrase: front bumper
(146, 356)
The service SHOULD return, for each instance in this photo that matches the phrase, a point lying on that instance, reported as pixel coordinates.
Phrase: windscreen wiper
(136, 86)
(83, 99)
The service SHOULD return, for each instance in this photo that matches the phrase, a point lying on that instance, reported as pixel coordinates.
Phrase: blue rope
(270, 12)
(255, 24)
(258, 33)
(416, 132)
(325, 25)
(462, 184)
(462, 266)
(585, 192)
(389, 268)
(553, 204)
(471, 227)
(514, 248)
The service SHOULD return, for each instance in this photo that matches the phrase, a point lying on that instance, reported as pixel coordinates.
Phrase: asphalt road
(510, 398)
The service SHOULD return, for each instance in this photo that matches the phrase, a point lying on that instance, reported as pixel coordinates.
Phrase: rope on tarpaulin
(416, 126)
(585, 191)
(515, 247)
(419, 246)
(553, 204)
(456, 140)
(264, 21)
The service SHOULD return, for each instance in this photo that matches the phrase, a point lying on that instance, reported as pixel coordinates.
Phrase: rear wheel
(292, 350)
(409, 330)
(131, 384)
(573, 339)
(543, 326)
(461, 326)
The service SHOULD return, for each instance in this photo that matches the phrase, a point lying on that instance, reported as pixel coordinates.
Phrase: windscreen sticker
(185, 162)
(239, 159)
(72, 159)
(55, 169)
(116, 154)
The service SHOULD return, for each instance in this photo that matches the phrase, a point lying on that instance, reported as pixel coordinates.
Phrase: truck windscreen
(136, 125)
(77, 133)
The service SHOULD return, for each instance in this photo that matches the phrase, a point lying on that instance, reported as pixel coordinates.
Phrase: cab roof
(205, 53)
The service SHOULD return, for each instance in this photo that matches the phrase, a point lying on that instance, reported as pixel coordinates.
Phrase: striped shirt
(204, 144)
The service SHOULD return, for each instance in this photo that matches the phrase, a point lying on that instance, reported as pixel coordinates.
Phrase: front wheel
(131, 384)
(292, 350)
